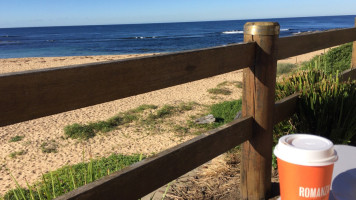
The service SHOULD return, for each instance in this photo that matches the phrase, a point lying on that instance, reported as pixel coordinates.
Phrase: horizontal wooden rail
(33, 94)
(300, 44)
(285, 108)
(349, 74)
(144, 177)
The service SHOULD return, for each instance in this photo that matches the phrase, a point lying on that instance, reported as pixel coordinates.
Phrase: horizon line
(172, 22)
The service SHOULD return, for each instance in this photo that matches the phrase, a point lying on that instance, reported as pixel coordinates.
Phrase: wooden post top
(261, 28)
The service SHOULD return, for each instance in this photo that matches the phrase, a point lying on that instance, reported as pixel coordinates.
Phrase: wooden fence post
(258, 101)
(353, 58)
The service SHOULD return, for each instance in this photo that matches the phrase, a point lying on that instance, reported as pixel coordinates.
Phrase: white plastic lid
(304, 149)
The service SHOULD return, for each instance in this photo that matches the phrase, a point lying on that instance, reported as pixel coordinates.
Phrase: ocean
(145, 38)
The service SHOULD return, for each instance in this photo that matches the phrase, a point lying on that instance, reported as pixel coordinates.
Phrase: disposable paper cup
(305, 166)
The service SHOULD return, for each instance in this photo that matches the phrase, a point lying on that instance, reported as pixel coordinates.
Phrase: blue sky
(29, 13)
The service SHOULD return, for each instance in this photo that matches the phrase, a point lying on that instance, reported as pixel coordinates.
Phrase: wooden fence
(33, 94)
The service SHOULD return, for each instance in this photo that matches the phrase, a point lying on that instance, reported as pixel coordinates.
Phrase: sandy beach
(125, 140)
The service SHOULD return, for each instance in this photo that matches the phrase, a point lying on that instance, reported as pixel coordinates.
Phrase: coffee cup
(305, 166)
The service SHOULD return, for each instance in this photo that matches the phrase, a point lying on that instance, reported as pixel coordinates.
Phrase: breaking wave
(233, 32)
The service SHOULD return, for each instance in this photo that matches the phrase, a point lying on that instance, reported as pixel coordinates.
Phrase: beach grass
(223, 113)
(68, 178)
(17, 153)
(222, 91)
(145, 119)
(86, 131)
(17, 138)
(223, 88)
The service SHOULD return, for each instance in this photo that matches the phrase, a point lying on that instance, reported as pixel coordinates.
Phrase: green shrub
(339, 59)
(166, 110)
(223, 113)
(329, 109)
(78, 131)
(17, 153)
(16, 138)
(297, 82)
(68, 178)
(226, 111)
(326, 106)
(186, 106)
(336, 59)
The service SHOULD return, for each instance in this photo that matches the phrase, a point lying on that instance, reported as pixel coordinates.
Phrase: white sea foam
(241, 32)
(233, 32)
(141, 37)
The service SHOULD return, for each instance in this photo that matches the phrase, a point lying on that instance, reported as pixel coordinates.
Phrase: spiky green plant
(326, 106)
(329, 109)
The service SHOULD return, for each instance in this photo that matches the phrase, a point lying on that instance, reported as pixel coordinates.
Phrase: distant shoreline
(9, 65)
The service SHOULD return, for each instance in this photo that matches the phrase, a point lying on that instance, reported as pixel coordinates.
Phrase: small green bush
(186, 106)
(223, 113)
(17, 153)
(16, 138)
(336, 59)
(142, 108)
(339, 59)
(78, 131)
(166, 110)
(222, 91)
(226, 111)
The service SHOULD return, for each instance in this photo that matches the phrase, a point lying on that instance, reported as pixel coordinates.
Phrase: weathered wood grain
(152, 173)
(285, 108)
(33, 94)
(353, 57)
(347, 75)
(300, 44)
(258, 101)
